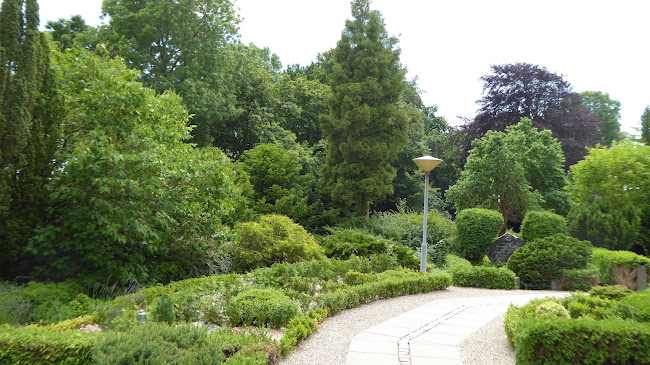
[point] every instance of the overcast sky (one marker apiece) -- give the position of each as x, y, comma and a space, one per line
595, 45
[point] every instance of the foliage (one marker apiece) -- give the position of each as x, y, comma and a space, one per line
405, 228
388, 286
541, 224
567, 341
261, 307
164, 311
274, 239
299, 328
583, 306
182, 344
41, 345
365, 122
71, 32
605, 260
465, 275
284, 179
608, 111
544, 259
645, 126
477, 229
515, 314
513, 91
342, 244
611, 192
551, 309
634, 306
31, 113
512, 172
121, 202
612, 292
580, 279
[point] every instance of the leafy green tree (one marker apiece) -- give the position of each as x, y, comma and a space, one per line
645, 126
129, 193
608, 111
30, 117
71, 32
365, 127
511, 172
513, 91
611, 190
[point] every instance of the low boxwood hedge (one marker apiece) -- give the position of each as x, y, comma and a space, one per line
464, 274
568, 341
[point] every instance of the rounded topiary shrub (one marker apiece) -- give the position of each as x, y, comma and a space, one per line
477, 229
261, 307
546, 258
274, 239
541, 224
551, 309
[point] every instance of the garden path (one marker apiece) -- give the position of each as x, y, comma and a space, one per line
451, 326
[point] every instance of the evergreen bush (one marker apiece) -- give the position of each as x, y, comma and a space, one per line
477, 229
544, 259
274, 239
605, 260
541, 224
261, 307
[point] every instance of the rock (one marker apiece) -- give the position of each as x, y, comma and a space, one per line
501, 249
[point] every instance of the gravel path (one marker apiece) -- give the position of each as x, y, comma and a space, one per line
330, 343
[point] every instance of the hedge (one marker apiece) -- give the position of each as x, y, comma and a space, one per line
409, 283
567, 341
40, 345
541, 224
605, 260
477, 229
465, 275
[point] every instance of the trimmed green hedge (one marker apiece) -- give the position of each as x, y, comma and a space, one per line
567, 341
477, 229
605, 260
261, 307
466, 275
41, 345
394, 283
541, 224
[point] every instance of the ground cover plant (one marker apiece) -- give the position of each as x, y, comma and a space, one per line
610, 325
294, 296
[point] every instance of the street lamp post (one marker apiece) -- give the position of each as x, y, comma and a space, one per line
426, 163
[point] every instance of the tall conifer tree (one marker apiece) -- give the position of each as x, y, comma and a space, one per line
30, 112
365, 127
645, 126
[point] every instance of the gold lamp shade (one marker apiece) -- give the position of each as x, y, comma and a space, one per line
427, 163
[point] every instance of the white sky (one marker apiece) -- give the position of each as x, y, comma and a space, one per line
596, 45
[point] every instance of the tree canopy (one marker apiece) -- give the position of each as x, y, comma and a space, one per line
511, 172
513, 91
608, 111
365, 127
645, 126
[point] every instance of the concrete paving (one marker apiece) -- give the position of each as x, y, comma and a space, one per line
430, 334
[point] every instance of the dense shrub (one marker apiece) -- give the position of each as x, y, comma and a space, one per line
515, 314
587, 306
261, 307
300, 328
614, 292
406, 228
568, 341
635, 306
579, 279
41, 345
544, 259
391, 284
155, 343
342, 244
551, 309
541, 224
274, 239
477, 229
465, 275
605, 260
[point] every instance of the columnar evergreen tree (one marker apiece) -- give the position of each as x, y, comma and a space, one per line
645, 126
365, 128
30, 114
